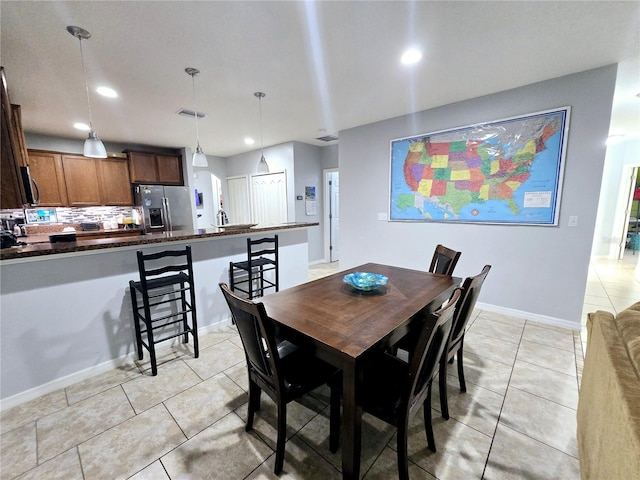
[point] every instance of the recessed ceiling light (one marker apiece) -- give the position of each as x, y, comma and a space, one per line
249, 141
107, 92
411, 56
81, 126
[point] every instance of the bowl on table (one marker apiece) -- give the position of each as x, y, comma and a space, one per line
364, 281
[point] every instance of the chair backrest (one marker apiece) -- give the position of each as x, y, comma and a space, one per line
264, 247
470, 292
257, 333
444, 260
432, 341
174, 265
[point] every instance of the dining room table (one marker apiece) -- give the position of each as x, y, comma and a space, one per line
346, 326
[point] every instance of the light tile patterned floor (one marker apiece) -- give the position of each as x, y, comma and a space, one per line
517, 419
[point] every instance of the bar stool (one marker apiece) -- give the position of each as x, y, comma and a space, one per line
248, 276
165, 279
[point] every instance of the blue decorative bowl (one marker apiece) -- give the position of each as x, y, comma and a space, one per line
365, 282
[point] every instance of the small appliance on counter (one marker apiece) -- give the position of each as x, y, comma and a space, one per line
41, 215
9, 239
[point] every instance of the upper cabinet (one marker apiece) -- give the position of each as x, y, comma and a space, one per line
48, 175
78, 181
113, 174
12, 144
148, 167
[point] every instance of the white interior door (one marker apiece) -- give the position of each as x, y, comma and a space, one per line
238, 207
269, 198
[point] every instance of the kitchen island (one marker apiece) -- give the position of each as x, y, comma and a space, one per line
66, 310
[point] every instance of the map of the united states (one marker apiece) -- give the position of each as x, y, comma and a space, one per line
457, 174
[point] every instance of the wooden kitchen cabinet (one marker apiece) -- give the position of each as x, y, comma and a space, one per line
81, 180
146, 167
114, 181
48, 174
12, 190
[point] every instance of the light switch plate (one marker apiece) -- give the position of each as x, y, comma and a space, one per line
573, 221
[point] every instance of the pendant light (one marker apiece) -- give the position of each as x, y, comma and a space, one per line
263, 166
199, 158
93, 147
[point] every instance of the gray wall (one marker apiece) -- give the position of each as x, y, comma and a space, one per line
537, 271
308, 173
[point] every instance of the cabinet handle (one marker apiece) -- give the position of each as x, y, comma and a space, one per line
36, 201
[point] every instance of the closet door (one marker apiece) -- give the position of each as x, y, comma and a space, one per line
269, 198
237, 206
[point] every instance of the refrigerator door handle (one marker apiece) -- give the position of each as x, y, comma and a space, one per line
167, 214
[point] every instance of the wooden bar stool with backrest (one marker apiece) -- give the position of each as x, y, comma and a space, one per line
249, 276
168, 309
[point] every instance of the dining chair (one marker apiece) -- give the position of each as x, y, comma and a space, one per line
393, 390
284, 371
444, 260
248, 276
464, 308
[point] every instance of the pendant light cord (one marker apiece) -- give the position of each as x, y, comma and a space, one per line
195, 108
261, 142
86, 84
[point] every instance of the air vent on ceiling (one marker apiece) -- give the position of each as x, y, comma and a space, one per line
191, 113
327, 138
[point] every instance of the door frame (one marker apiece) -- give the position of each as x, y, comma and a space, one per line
327, 211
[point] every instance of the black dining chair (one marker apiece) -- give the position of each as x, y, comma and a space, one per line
444, 260
281, 369
455, 348
393, 390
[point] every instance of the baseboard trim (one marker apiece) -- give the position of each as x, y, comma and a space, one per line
556, 322
63, 382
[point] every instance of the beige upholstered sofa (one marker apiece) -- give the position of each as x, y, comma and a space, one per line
609, 403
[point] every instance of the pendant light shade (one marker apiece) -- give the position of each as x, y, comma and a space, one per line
263, 166
93, 147
199, 158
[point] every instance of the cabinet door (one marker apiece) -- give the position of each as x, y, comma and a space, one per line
46, 170
114, 181
143, 167
169, 169
81, 180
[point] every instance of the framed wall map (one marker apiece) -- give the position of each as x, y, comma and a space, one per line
505, 172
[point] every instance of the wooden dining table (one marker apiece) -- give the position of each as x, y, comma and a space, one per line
346, 326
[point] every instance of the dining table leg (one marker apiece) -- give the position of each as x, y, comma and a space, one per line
351, 425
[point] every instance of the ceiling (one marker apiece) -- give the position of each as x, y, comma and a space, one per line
324, 66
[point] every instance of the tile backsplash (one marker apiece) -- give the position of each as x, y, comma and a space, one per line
79, 214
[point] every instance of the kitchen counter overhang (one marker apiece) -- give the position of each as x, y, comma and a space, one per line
33, 251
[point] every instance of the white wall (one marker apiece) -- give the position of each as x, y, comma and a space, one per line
538, 271
610, 218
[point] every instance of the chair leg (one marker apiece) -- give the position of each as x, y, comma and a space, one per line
282, 436
334, 421
428, 426
253, 405
463, 385
403, 459
136, 322
442, 384
185, 324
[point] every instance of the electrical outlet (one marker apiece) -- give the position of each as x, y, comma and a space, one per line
573, 221
382, 216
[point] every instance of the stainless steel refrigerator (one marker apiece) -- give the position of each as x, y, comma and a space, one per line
164, 208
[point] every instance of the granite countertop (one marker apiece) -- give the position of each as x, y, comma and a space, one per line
38, 245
